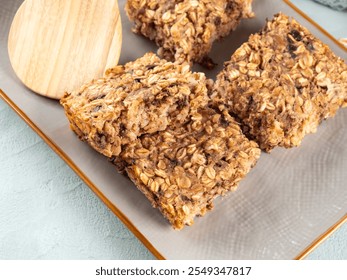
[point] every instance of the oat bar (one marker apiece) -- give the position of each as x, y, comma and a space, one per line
185, 30
181, 170
281, 84
141, 97
151, 118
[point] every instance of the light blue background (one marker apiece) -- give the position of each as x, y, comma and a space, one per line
335, 22
47, 212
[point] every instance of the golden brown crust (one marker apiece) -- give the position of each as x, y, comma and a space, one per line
281, 84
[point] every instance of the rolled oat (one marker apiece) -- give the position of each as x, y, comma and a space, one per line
281, 84
150, 117
185, 29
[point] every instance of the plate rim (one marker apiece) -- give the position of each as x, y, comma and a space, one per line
126, 221
310, 20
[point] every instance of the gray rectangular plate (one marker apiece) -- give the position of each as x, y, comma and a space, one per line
291, 198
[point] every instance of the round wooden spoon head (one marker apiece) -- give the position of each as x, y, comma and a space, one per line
57, 45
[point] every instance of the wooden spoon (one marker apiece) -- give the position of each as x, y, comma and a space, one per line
57, 45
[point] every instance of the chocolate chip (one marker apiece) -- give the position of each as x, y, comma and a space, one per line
291, 46
250, 102
299, 88
182, 103
229, 7
174, 162
296, 35
217, 21
224, 122
122, 129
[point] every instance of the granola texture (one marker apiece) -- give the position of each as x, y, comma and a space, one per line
281, 84
185, 29
151, 119
181, 170
144, 96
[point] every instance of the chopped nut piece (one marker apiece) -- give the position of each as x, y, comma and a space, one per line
186, 29
298, 82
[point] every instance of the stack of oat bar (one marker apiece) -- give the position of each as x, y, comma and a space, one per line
174, 133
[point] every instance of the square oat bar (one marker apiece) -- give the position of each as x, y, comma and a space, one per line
144, 96
281, 84
182, 170
185, 29
151, 118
